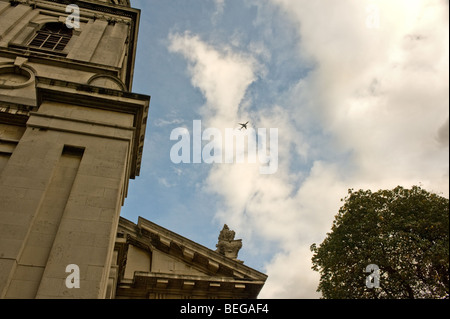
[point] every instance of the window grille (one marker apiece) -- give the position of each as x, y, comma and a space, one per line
52, 36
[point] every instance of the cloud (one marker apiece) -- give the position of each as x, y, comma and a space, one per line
368, 115
443, 134
162, 122
221, 74
220, 5
163, 181
380, 94
290, 276
256, 205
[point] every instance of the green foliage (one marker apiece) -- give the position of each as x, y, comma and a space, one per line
403, 231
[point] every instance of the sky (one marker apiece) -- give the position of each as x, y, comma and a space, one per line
357, 92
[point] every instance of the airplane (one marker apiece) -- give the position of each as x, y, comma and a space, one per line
243, 125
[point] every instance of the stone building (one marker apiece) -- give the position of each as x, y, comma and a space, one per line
71, 137
153, 262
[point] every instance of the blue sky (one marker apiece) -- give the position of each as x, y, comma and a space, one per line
358, 91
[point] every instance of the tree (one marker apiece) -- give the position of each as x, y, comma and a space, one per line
405, 232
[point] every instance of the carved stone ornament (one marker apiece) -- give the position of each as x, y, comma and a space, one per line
227, 245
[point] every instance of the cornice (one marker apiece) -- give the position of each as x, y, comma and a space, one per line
223, 277
98, 6
15, 114
102, 98
192, 252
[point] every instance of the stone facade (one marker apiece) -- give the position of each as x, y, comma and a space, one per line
71, 137
155, 263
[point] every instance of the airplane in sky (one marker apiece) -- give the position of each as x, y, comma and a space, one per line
243, 125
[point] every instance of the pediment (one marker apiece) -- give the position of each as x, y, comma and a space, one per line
175, 254
153, 257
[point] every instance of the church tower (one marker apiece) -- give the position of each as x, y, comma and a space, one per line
71, 137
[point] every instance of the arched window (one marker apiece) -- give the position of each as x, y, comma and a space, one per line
52, 36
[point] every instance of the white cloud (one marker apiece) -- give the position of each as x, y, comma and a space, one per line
256, 205
379, 95
221, 74
220, 5
162, 122
382, 94
163, 181
290, 276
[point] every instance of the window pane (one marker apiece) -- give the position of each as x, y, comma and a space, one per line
52, 36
